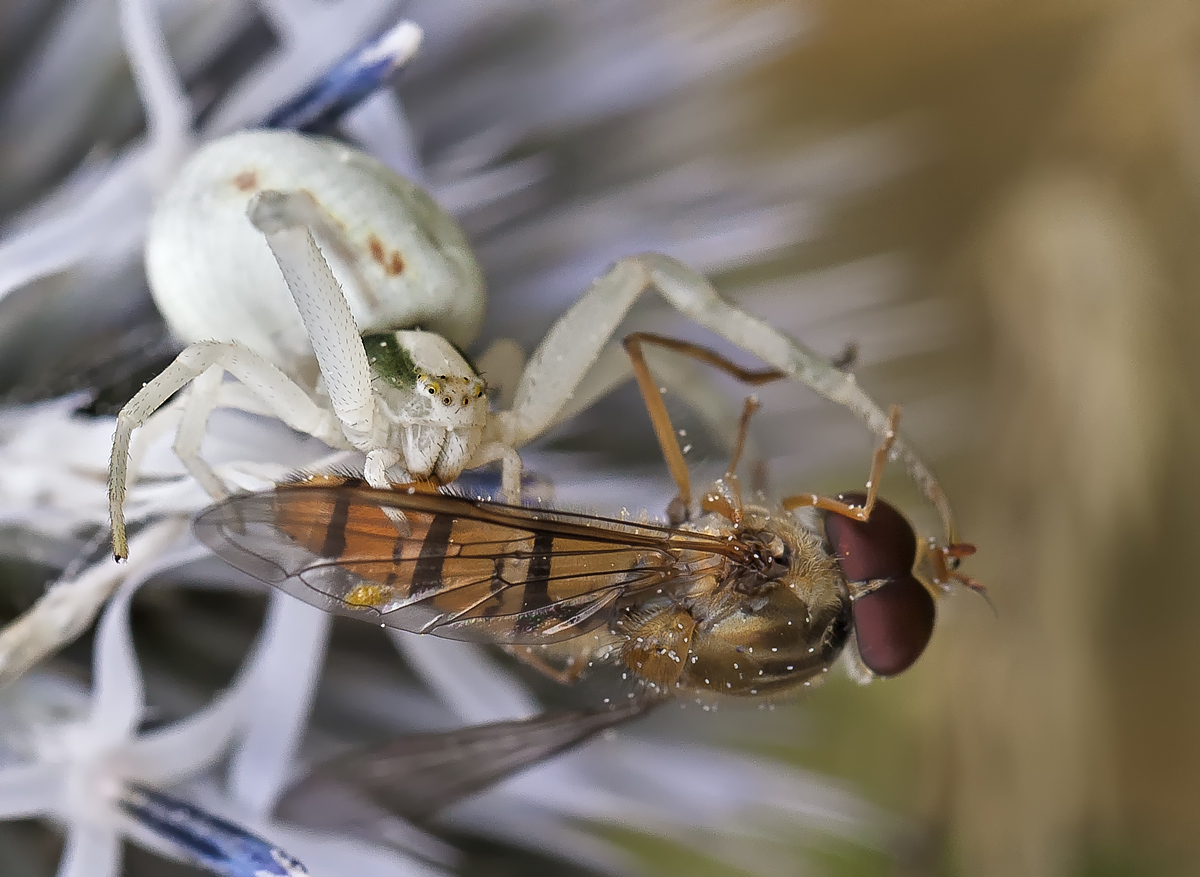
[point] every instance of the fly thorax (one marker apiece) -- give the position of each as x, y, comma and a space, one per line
768, 562
782, 619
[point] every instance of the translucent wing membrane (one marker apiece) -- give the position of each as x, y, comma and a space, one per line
417, 775
454, 567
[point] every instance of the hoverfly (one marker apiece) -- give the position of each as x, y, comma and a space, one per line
738, 598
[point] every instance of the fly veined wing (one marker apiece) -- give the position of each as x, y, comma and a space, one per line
418, 775
447, 565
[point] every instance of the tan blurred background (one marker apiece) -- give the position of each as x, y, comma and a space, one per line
1058, 208
1053, 206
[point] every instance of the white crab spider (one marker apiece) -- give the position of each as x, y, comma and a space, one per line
396, 258
362, 251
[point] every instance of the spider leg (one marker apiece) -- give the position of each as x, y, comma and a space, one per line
284, 398
287, 221
558, 366
201, 399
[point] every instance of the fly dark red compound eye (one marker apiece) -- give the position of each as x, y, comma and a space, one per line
894, 622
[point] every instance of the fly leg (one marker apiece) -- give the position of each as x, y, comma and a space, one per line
565, 669
856, 512
668, 440
571, 347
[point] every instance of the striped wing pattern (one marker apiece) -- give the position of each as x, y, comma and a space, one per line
441, 564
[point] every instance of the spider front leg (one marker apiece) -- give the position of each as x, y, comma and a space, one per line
286, 220
402, 396
282, 396
558, 366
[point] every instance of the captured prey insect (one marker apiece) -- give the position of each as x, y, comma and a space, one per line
742, 599
303, 268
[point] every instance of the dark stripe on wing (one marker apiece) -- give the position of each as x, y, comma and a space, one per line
427, 571
537, 580
335, 537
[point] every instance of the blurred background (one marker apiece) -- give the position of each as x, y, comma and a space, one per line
998, 202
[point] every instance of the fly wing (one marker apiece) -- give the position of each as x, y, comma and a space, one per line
415, 776
446, 565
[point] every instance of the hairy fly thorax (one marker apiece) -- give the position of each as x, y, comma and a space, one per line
765, 623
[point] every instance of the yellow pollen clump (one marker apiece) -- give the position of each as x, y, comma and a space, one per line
368, 596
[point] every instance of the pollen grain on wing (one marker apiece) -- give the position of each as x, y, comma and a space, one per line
369, 596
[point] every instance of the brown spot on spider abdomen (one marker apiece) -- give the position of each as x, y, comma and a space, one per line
390, 261
246, 181
375, 245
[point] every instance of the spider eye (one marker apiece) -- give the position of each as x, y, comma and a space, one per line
446, 400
